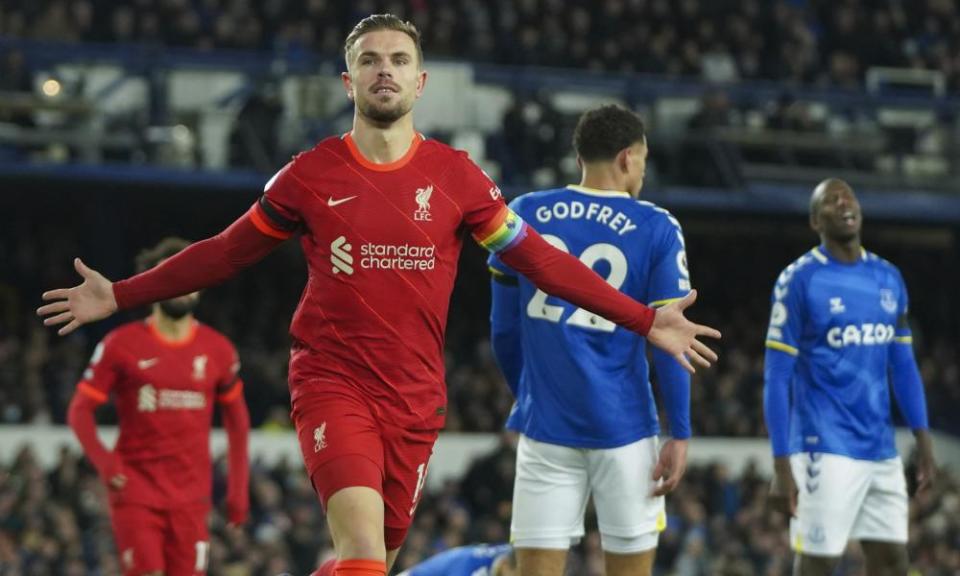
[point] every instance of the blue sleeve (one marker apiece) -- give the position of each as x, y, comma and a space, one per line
675, 392
669, 281
462, 561
669, 275
782, 347
777, 375
904, 373
439, 565
786, 313
505, 327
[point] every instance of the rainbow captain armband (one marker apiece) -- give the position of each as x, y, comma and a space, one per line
502, 232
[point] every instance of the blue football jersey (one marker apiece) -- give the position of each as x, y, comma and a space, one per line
840, 320
585, 381
475, 560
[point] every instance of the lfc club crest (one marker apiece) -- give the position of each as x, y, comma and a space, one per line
422, 214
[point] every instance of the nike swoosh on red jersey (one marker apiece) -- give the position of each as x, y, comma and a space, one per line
144, 364
331, 202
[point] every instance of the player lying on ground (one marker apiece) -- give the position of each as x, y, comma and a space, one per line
473, 560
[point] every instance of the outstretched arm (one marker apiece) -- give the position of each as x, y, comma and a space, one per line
500, 230
560, 274
200, 265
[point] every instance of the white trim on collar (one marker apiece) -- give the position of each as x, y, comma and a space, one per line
597, 191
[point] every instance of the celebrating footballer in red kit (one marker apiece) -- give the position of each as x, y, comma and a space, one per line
381, 213
165, 374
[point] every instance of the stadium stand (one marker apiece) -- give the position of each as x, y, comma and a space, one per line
147, 118
54, 522
40, 370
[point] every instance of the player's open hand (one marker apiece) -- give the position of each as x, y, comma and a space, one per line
670, 467
89, 301
673, 333
783, 490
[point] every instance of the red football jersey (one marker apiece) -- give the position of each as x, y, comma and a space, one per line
382, 243
164, 393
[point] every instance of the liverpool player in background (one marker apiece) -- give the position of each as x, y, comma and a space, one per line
165, 374
382, 213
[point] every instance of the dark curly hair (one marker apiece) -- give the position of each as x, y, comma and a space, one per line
150, 257
603, 132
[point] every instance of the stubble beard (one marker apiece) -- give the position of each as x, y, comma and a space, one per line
381, 114
177, 308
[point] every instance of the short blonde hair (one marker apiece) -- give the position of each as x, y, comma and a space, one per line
376, 22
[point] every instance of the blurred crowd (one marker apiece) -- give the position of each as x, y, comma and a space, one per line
55, 522
733, 268
796, 41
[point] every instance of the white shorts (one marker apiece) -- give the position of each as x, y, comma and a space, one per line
843, 499
554, 482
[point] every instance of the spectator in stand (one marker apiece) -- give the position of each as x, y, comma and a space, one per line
55, 522
531, 140
254, 142
706, 158
812, 42
37, 373
14, 74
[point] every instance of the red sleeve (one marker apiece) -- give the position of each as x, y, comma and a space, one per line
81, 420
560, 274
281, 204
202, 264
229, 386
103, 371
236, 420
481, 199
270, 221
488, 218
501, 231
99, 378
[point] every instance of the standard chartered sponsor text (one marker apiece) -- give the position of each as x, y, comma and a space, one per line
397, 257
182, 400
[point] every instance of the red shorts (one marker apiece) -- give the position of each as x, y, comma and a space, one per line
344, 445
174, 542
